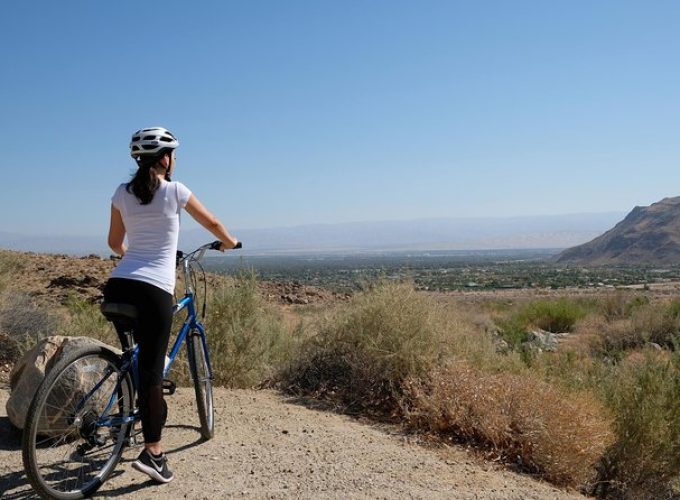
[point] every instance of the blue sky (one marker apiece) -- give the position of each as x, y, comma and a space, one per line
298, 112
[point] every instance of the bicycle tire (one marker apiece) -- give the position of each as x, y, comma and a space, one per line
61, 425
198, 365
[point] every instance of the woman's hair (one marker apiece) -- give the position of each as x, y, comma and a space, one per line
144, 182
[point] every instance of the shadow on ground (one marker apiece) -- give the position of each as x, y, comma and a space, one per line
14, 485
11, 436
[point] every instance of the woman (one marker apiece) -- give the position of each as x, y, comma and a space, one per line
147, 210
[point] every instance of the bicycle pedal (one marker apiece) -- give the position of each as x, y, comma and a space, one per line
169, 387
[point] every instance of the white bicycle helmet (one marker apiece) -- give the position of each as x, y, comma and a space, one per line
149, 141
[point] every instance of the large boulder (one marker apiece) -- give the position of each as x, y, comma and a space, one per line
30, 370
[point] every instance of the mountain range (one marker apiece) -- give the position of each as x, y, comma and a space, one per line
647, 235
551, 231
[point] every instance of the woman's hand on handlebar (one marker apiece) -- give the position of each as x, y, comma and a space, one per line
231, 245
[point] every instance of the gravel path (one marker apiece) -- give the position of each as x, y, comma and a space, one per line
269, 446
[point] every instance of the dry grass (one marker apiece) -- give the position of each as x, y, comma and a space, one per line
22, 321
537, 426
361, 353
10, 266
628, 323
248, 338
643, 393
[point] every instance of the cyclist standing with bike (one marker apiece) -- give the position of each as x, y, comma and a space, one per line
147, 211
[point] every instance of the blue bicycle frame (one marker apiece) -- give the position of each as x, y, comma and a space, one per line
191, 324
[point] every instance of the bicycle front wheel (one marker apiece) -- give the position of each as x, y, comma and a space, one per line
198, 364
71, 444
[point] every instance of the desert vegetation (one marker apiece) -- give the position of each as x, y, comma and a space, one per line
597, 413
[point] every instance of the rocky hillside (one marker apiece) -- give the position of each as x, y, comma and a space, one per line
648, 235
50, 279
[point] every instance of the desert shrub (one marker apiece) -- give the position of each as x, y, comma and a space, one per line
620, 304
556, 316
571, 369
514, 330
24, 322
616, 337
10, 264
535, 425
247, 338
553, 315
643, 394
659, 323
361, 354
647, 322
86, 320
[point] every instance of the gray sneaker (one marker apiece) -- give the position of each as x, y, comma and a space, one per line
155, 468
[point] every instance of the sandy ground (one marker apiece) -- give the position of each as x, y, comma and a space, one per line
269, 446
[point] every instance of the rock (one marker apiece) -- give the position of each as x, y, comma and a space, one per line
501, 345
654, 345
30, 370
544, 341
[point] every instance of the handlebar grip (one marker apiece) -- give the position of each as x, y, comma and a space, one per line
217, 245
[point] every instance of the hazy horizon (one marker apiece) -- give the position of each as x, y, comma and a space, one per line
433, 234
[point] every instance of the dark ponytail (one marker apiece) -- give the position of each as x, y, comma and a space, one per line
144, 182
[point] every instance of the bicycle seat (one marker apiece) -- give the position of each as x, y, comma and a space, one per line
125, 314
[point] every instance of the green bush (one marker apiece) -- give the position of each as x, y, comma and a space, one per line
555, 316
514, 330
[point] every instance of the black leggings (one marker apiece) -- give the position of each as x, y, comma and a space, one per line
152, 335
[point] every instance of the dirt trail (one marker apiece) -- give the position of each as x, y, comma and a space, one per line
269, 446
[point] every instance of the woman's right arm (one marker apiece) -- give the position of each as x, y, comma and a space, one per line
117, 232
201, 214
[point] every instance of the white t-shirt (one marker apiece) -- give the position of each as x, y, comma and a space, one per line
152, 233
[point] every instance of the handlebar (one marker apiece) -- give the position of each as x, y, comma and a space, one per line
186, 260
200, 251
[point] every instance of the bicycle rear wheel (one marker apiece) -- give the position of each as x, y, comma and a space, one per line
67, 452
198, 364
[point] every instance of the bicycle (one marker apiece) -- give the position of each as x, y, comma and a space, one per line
83, 414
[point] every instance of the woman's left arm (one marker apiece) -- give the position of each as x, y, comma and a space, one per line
117, 232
